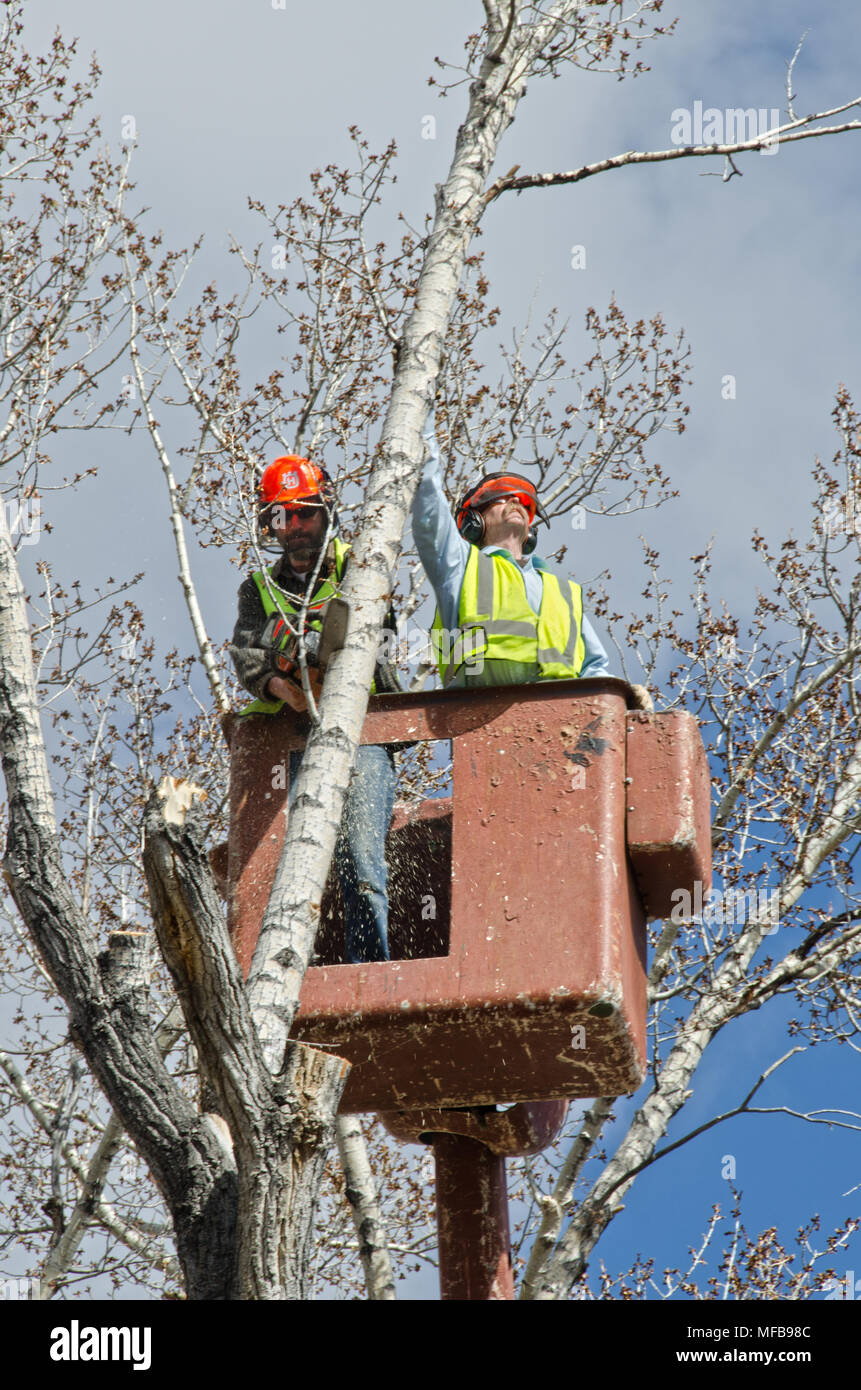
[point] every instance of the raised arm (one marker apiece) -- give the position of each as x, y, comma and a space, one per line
441, 548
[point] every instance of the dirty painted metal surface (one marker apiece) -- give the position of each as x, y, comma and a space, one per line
668, 807
542, 990
418, 852
526, 1128
473, 1234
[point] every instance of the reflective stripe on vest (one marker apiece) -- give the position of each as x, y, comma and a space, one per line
492, 585
274, 600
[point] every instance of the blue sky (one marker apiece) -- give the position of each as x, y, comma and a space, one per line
232, 99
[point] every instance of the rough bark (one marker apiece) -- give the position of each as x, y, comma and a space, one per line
90, 1205
281, 1126
107, 1017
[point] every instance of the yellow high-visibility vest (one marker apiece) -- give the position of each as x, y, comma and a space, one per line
279, 602
497, 623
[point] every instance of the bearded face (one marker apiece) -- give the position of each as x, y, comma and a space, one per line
301, 530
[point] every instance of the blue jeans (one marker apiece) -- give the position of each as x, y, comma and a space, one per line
360, 850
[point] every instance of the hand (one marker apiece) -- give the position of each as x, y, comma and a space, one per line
429, 437
642, 699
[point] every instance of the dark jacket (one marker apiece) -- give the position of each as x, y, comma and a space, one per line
252, 660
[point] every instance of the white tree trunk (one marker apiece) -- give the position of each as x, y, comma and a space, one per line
290, 922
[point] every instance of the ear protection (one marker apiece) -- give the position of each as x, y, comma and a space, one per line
491, 488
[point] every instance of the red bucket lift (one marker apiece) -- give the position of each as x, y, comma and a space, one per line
518, 905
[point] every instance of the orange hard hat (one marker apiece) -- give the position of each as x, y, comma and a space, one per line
291, 479
492, 488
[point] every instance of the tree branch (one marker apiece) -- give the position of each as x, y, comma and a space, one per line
204, 645
793, 704
105, 1022
88, 1176
291, 918
361, 1193
193, 937
280, 1125
778, 134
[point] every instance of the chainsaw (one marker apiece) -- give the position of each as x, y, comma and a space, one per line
319, 644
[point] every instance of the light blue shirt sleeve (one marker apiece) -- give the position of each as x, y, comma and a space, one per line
441, 548
594, 655
444, 553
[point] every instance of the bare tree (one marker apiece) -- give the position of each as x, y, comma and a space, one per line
239, 1164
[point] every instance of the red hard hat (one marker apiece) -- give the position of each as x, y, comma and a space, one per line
291, 479
493, 487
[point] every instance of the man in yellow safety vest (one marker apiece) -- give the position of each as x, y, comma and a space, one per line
503, 617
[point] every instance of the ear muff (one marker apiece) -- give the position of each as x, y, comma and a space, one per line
470, 521
471, 525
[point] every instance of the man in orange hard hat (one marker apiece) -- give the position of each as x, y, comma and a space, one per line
280, 623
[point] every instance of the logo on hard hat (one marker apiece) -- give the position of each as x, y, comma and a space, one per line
289, 479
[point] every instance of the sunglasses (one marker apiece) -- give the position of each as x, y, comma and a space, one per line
526, 502
284, 512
